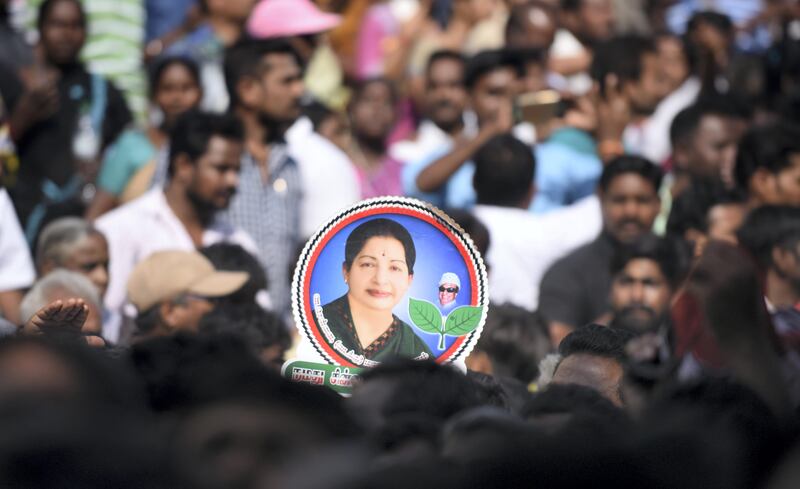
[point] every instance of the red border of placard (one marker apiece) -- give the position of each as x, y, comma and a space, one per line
301, 298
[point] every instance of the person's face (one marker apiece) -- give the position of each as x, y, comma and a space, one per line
446, 96
539, 33
535, 78
447, 293
782, 188
63, 33
373, 112
336, 130
215, 174
378, 278
176, 92
630, 206
185, 315
647, 92
724, 220
712, 152
640, 295
673, 62
90, 257
491, 91
599, 373
596, 19
281, 88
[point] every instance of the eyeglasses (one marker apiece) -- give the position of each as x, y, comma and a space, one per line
448, 289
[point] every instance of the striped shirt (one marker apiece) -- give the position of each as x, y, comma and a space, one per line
270, 213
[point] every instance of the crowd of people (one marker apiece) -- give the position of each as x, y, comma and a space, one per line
628, 169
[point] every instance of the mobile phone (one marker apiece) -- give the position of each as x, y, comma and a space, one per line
539, 107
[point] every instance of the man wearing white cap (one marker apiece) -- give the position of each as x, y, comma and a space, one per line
449, 285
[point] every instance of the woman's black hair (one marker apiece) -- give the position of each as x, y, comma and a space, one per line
158, 68
380, 227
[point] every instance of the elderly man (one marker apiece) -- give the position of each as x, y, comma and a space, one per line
173, 290
449, 285
74, 244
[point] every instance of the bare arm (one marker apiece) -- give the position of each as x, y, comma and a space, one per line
9, 305
437, 173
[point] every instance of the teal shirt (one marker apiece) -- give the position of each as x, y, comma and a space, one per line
130, 152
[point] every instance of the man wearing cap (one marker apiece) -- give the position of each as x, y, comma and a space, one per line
449, 285
173, 290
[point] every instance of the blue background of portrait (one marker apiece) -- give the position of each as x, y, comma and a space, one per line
436, 254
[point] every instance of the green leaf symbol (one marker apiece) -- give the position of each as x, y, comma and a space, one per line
425, 315
462, 320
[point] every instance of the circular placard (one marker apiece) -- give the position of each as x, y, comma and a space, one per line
388, 277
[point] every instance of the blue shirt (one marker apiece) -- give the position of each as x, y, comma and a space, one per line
164, 15
563, 175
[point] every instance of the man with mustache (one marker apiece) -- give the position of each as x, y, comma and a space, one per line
645, 276
204, 163
265, 83
574, 291
444, 102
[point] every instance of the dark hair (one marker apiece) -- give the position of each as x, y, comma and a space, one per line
665, 252
317, 112
690, 208
47, 6
157, 69
486, 62
570, 5
717, 20
361, 86
246, 59
515, 340
255, 326
768, 227
597, 340
769, 147
620, 56
234, 258
380, 227
504, 171
686, 122
625, 164
445, 54
195, 128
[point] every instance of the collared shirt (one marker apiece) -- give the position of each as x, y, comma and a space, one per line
524, 245
270, 213
429, 139
575, 289
329, 179
143, 227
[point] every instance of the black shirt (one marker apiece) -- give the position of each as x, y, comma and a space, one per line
45, 150
575, 289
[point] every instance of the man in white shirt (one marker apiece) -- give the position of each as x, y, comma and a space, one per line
524, 244
205, 154
445, 99
16, 265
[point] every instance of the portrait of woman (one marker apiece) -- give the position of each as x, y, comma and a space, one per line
378, 270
